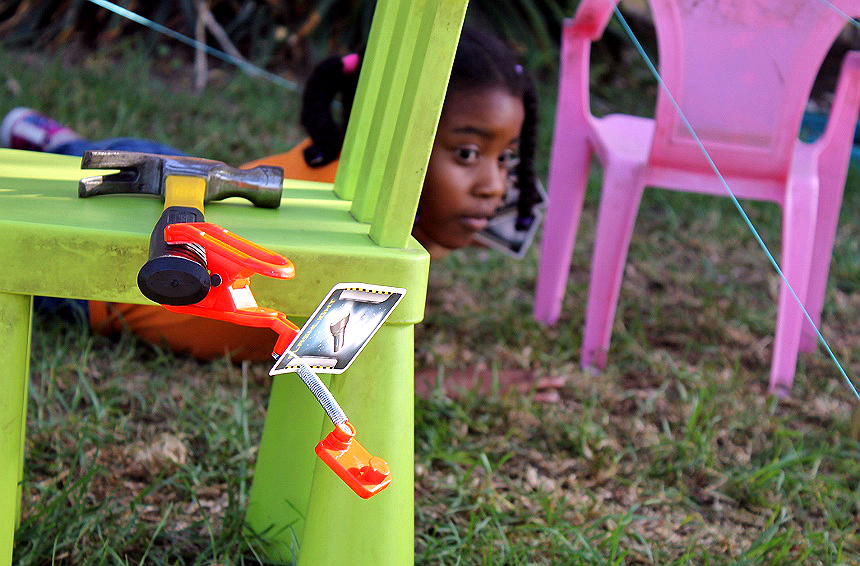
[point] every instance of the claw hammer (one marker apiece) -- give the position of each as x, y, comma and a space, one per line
177, 274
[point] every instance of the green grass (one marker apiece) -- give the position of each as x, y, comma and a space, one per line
110, 93
673, 455
133, 455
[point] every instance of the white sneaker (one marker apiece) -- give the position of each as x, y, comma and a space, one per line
24, 128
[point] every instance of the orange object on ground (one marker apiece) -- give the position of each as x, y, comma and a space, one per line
202, 338
205, 338
295, 166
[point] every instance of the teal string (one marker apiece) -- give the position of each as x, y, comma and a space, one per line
732, 196
249, 68
845, 16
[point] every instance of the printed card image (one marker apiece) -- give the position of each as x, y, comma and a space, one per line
340, 328
501, 233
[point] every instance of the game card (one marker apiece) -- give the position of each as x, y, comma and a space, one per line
501, 233
339, 328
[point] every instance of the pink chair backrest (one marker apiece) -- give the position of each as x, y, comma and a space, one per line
741, 71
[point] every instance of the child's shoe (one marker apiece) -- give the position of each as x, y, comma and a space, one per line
23, 128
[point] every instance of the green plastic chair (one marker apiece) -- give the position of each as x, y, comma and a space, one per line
358, 229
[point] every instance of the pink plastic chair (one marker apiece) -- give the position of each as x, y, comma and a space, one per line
741, 71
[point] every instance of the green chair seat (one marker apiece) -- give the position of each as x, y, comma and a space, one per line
80, 248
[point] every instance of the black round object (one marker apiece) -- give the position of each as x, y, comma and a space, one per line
174, 280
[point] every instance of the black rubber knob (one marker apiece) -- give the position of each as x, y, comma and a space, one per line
174, 280
176, 274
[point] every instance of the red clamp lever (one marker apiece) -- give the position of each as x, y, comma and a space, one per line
365, 474
232, 260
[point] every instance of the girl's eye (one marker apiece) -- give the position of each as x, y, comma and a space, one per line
467, 155
509, 159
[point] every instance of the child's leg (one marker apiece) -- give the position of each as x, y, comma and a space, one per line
24, 128
78, 147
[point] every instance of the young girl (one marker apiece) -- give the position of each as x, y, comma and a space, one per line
484, 144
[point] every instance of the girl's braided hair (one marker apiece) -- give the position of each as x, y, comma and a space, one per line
482, 62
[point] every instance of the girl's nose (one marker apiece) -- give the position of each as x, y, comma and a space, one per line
493, 180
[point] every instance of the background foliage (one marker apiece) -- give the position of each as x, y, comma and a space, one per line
268, 32
674, 455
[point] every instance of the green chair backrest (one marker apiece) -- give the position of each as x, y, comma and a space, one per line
397, 106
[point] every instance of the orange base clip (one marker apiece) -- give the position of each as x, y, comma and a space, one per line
365, 474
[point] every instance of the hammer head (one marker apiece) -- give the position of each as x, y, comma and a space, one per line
145, 173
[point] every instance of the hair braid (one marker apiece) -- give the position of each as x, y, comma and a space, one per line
333, 76
526, 176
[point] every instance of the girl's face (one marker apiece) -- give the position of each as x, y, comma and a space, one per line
474, 150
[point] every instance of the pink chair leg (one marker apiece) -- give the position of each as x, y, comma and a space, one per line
798, 233
835, 156
619, 203
568, 179
829, 203
832, 172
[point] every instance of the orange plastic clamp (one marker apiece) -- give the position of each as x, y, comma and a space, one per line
365, 474
232, 260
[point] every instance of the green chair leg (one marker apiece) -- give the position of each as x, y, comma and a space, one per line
281, 488
15, 321
377, 394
